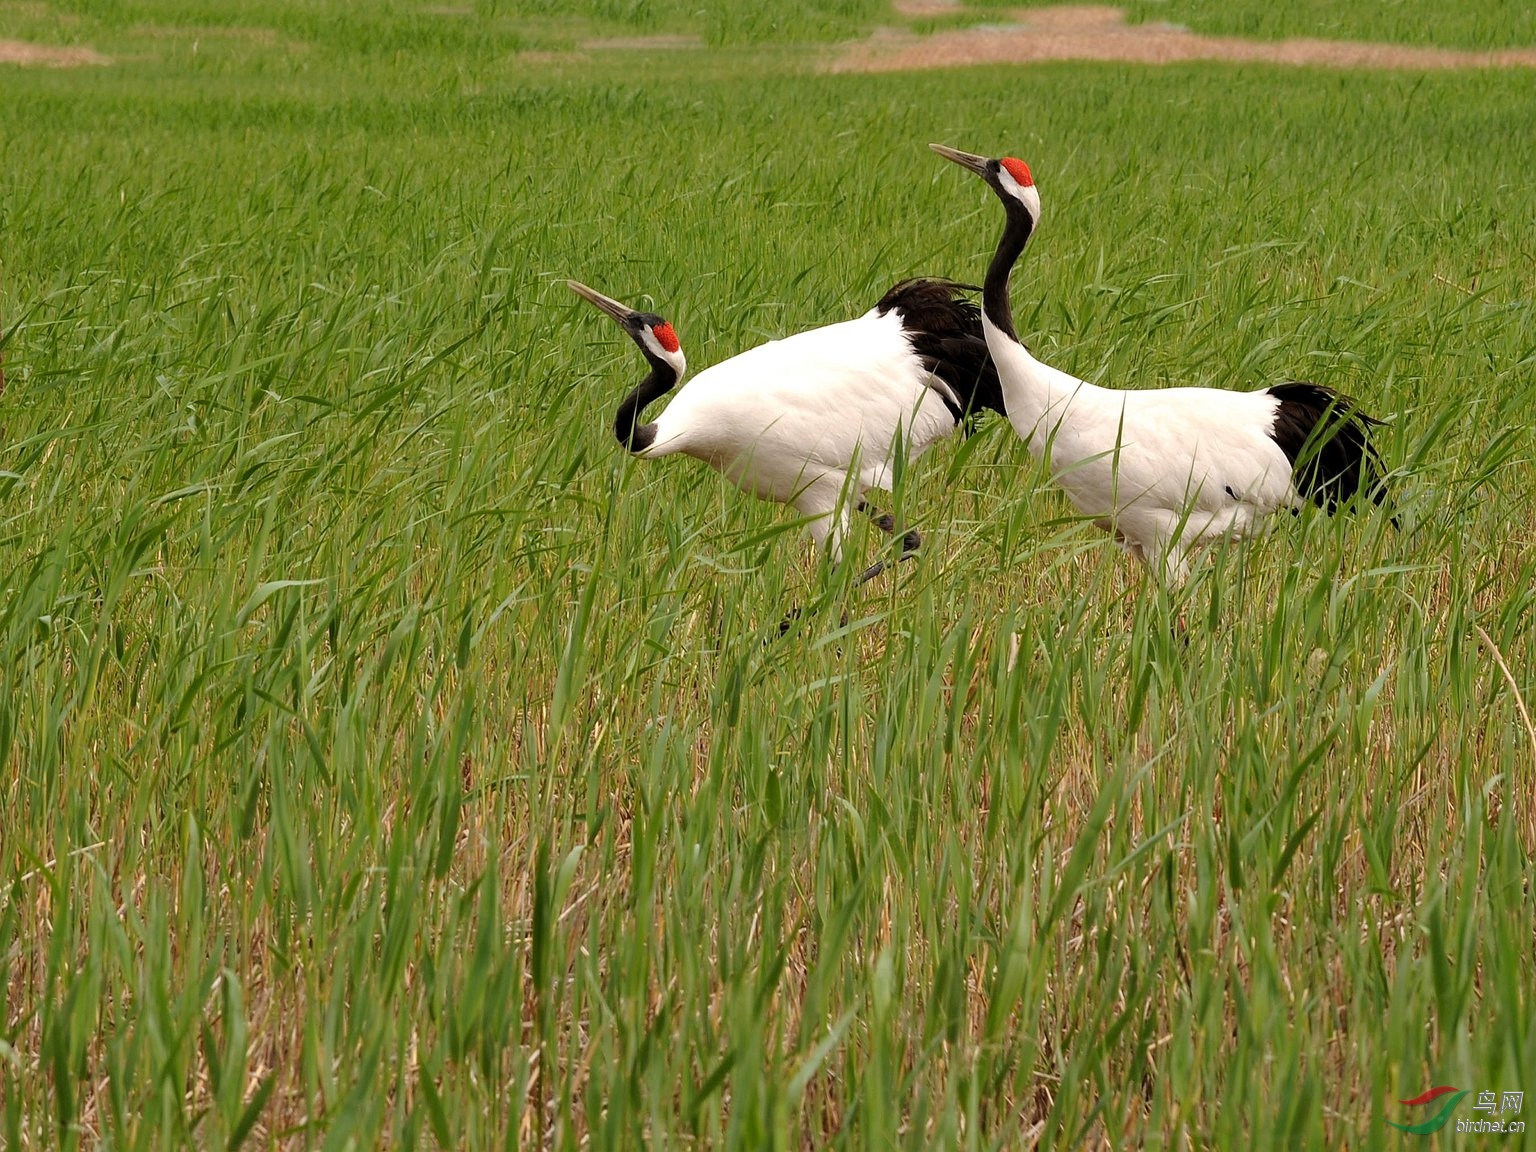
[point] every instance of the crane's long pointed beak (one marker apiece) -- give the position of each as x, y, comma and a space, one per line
968, 160
619, 312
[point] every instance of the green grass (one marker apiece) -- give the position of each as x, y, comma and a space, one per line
387, 759
468, 31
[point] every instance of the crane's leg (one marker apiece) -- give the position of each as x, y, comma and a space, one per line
822, 500
910, 542
1168, 562
829, 528
1175, 564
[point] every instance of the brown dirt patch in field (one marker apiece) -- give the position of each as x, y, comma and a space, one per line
921, 8
1097, 32
47, 56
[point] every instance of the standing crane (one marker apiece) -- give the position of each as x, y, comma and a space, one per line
1165, 469
800, 420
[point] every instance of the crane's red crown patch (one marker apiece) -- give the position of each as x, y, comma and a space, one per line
666, 337
1019, 171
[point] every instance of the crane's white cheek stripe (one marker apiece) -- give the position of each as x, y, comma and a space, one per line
1028, 195
653, 345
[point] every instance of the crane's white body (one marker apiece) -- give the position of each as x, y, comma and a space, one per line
1164, 469
805, 419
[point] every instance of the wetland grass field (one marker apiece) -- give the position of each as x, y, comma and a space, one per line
388, 760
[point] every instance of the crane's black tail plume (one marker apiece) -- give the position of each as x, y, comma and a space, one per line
1327, 439
945, 330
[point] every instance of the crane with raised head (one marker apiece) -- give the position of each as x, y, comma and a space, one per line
1165, 469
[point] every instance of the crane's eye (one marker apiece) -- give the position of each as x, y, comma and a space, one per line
665, 336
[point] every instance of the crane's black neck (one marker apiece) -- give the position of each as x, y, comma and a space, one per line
994, 293
636, 437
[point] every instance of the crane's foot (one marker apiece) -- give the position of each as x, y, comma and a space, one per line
884, 521
791, 619
911, 541
870, 573
909, 546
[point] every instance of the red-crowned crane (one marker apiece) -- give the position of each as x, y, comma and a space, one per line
1165, 469
799, 420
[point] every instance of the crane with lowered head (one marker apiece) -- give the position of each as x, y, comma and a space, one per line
801, 420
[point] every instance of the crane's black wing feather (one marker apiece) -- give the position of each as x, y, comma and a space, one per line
944, 327
1327, 439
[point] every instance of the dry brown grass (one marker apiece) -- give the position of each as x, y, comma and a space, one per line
1099, 32
48, 56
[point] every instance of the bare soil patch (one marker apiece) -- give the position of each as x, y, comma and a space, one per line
920, 8
47, 56
1098, 32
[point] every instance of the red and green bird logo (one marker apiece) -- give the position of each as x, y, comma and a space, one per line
1437, 1121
